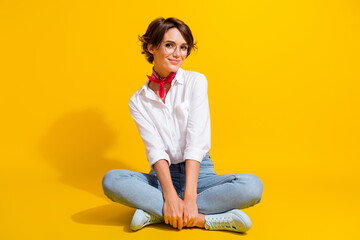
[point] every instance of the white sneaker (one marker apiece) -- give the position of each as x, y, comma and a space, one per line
142, 219
233, 220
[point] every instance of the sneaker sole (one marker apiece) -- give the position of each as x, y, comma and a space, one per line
243, 220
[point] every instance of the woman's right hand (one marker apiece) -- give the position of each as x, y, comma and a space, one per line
173, 205
174, 211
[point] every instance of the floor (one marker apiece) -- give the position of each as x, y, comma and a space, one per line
74, 207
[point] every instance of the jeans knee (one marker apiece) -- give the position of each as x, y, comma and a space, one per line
254, 186
111, 179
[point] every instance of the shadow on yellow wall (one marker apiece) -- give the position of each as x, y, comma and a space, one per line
76, 146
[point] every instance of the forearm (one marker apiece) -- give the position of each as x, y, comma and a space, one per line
161, 168
173, 205
192, 175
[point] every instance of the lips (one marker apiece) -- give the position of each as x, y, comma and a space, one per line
173, 61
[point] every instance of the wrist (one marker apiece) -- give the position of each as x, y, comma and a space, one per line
169, 194
191, 197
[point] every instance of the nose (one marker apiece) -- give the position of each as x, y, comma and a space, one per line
176, 53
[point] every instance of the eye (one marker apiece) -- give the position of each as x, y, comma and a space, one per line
169, 45
184, 47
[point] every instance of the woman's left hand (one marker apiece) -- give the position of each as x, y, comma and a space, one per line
190, 212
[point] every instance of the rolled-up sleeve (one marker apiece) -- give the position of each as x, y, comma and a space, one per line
198, 127
154, 145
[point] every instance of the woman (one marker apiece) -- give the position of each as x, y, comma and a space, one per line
171, 112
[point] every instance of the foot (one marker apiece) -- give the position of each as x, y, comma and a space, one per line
142, 219
233, 220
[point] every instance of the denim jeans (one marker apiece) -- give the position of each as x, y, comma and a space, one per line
216, 193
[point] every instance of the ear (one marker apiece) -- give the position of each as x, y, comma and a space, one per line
150, 48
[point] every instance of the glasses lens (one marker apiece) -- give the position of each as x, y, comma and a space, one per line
170, 48
183, 50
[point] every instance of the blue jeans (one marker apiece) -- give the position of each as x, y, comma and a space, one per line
216, 193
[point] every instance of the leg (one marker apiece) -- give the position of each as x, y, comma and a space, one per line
221, 193
134, 189
219, 196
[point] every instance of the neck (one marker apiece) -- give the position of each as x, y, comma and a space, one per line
162, 74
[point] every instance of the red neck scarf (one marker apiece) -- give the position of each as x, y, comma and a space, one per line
157, 79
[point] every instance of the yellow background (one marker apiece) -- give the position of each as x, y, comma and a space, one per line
284, 101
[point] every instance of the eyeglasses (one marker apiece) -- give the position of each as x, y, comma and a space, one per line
170, 48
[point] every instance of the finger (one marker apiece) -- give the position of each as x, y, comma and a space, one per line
194, 223
174, 223
195, 220
185, 222
186, 219
190, 222
171, 221
180, 223
166, 220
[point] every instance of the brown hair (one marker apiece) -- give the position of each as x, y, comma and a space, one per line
156, 31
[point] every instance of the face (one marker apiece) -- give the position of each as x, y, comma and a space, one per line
171, 53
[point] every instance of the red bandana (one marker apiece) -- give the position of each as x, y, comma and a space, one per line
157, 79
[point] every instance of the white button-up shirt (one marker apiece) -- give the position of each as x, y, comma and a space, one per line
178, 129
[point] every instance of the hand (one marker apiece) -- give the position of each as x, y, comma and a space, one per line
190, 213
174, 211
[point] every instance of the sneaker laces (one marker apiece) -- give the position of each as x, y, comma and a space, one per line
151, 219
220, 222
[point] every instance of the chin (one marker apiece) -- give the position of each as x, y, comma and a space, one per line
174, 68
168, 67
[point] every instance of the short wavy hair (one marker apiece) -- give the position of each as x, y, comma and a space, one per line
156, 31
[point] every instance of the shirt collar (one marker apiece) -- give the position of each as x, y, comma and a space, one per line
180, 76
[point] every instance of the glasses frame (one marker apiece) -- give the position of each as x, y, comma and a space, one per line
176, 46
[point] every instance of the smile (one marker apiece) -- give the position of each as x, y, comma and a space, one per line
173, 61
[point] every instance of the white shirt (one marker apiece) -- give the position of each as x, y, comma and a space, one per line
178, 129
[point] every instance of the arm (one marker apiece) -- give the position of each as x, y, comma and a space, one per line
197, 145
154, 145
173, 205
159, 161
198, 124
191, 209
